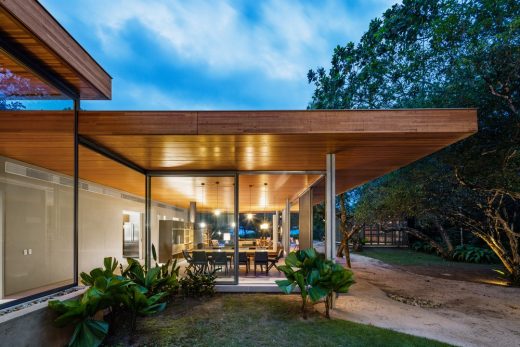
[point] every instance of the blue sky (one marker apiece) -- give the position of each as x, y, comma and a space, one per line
212, 55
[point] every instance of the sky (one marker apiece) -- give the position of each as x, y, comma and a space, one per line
212, 55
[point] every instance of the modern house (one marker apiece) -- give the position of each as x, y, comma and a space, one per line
79, 185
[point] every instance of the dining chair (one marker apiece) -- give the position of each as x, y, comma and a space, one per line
243, 259
261, 258
188, 258
200, 261
220, 259
274, 260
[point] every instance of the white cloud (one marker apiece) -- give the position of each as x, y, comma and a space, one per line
284, 40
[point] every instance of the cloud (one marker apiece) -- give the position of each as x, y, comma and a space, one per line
282, 41
203, 54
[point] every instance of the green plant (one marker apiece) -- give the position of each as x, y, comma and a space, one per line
161, 278
106, 291
316, 277
196, 284
421, 246
474, 254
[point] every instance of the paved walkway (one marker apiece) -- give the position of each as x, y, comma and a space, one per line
456, 312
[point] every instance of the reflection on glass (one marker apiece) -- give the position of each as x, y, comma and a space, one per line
204, 231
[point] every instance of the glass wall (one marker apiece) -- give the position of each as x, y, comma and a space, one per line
111, 211
36, 187
203, 231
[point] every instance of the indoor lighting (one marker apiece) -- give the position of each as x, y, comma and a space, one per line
250, 215
233, 224
217, 211
226, 237
202, 225
264, 226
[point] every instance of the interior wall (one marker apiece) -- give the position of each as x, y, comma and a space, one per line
101, 228
37, 228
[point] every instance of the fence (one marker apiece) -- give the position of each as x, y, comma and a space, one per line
374, 236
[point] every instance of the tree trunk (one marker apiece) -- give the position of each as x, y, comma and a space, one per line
445, 237
304, 311
328, 304
439, 248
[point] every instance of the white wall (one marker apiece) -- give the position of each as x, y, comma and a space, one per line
38, 215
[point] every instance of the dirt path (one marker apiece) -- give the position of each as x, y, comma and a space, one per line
456, 312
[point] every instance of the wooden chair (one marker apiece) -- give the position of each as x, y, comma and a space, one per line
188, 258
274, 260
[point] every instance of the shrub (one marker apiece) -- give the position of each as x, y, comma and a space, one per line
474, 254
106, 291
197, 284
317, 277
421, 246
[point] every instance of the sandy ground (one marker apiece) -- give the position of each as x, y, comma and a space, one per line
457, 312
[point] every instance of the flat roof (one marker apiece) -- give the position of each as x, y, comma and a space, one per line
367, 143
36, 33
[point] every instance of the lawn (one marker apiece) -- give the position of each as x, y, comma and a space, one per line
403, 256
432, 265
254, 320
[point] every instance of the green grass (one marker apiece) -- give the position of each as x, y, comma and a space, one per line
403, 256
256, 320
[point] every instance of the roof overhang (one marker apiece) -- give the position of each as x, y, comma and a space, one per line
33, 33
367, 143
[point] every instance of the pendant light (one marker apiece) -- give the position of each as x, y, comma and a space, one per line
265, 225
217, 211
202, 224
250, 215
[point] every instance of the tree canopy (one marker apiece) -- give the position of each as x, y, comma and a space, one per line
442, 54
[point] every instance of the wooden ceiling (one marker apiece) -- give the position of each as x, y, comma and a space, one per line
254, 195
367, 144
43, 39
24, 84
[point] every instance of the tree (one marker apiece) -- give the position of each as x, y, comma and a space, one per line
447, 53
348, 226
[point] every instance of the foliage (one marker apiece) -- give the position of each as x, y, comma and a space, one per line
442, 54
198, 284
421, 246
106, 291
473, 254
316, 277
161, 278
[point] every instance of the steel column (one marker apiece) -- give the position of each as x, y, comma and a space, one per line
237, 227
330, 207
147, 223
75, 227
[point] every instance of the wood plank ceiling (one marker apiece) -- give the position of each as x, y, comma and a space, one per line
367, 144
27, 24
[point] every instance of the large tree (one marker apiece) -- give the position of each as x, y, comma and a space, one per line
447, 53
